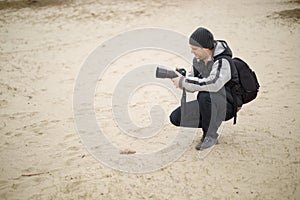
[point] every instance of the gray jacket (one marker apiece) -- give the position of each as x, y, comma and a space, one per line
210, 77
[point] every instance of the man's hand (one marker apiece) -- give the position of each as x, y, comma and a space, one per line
176, 80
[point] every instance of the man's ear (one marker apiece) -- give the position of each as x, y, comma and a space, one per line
209, 51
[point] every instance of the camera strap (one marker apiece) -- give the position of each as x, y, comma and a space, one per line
183, 101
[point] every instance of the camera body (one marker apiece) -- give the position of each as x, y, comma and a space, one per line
164, 73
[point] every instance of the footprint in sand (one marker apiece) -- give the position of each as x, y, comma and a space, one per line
2, 125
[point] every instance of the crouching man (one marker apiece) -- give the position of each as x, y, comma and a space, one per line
210, 77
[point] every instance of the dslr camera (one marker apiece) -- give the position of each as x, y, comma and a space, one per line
164, 73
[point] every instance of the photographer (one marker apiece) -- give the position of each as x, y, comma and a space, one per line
209, 76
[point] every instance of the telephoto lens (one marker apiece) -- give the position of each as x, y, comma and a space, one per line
164, 73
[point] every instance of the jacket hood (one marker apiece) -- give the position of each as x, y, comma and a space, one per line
222, 49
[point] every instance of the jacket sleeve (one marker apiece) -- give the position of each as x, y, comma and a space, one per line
218, 77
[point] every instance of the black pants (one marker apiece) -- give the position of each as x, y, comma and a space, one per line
207, 112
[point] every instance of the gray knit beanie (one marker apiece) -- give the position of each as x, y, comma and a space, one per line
202, 38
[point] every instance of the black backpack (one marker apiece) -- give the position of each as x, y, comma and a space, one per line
247, 86
248, 82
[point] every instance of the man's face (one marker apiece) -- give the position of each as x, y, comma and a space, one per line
200, 53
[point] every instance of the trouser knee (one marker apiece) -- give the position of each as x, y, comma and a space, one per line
175, 118
204, 98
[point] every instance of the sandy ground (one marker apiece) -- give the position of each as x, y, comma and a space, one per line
42, 48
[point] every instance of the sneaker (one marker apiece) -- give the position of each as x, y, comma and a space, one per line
198, 147
208, 142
